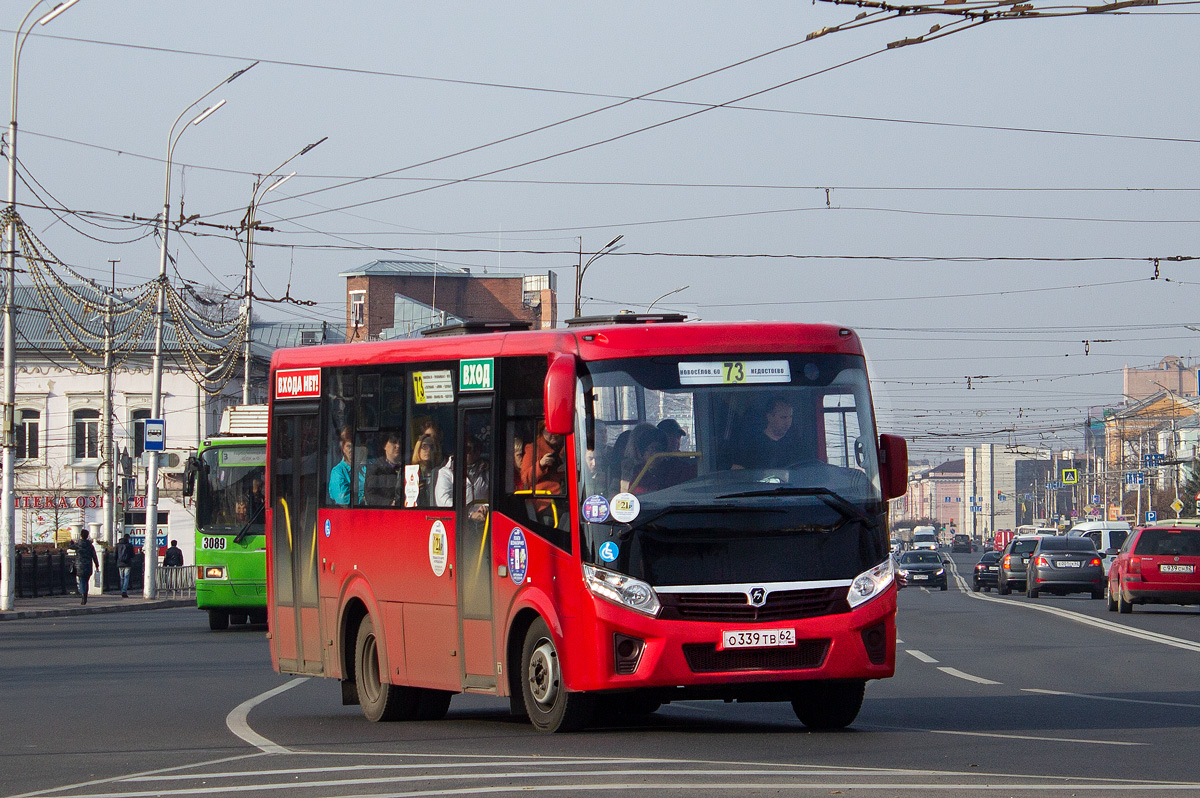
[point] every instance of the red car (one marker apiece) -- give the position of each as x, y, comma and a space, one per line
1157, 565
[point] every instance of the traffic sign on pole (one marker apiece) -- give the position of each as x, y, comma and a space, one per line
1151, 516
155, 434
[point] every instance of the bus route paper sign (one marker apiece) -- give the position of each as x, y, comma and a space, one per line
433, 387
735, 372
298, 384
437, 548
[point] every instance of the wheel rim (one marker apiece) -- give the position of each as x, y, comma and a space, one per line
544, 677
369, 668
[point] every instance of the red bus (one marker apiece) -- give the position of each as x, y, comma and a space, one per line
589, 521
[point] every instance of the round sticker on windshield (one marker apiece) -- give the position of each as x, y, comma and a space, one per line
437, 548
609, 551
328, 528
624, 507
595, 509
518, 556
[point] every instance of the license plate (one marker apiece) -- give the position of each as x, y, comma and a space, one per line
1177, 569
919, 577
757, 638
989, 567
1066, 563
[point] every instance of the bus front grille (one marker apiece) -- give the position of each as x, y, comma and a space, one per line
782, 605
806, 654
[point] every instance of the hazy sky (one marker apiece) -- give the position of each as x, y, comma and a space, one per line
1071, 142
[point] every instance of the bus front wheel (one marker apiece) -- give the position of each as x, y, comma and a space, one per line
549, 706
829, 705
218, 620
380, 700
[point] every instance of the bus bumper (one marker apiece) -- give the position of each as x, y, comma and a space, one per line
230, 595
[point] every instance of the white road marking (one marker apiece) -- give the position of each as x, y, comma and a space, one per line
921, 655
967, 676
236, 720
1087, 620
1031, 737
1111, 698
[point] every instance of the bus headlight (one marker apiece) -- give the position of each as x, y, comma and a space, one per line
210, 571
870, 584
621, 589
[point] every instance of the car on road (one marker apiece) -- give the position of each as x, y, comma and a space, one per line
1107, 535
925, 538
1157, 565
962, 544
923, 569
985, 571
1062, 565
1013, 561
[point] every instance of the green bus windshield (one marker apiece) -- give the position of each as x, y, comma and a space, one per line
230, 489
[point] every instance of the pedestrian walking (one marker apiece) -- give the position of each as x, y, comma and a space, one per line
124, 563
85, 562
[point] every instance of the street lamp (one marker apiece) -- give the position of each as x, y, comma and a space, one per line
249, 223
150, 546
8, 529
611, 246
664, 296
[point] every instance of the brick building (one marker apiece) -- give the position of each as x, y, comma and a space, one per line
397, 298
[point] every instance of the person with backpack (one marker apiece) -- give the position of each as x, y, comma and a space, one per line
124, 563
85, 559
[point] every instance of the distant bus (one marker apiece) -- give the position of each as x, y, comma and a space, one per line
588, 521
226, 476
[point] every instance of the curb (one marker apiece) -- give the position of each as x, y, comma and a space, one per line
15, 615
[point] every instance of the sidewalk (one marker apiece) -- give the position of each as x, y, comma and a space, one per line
57, 606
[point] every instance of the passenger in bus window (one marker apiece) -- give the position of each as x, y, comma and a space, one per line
638, 469
339, 477
255, 499
427, 457
775, 444
542, 467
475, 481
384, 477
518, 450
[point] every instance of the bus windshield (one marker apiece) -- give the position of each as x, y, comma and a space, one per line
230, 490
732, 469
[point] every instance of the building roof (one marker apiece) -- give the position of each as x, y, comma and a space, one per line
406, 268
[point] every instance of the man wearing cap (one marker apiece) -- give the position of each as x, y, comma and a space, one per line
675, 434
676, 469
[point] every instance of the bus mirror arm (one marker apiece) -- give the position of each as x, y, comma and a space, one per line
559, 393
893, 466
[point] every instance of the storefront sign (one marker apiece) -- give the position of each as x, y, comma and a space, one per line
94, 501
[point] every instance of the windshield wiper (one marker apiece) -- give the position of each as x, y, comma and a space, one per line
241, 535
831, 498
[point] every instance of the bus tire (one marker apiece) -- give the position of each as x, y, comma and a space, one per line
218, 620
549, 706
829, 705
380, 700
433, 704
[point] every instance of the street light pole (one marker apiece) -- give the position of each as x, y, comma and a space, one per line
8, 529
255, 199
611, 246
664, 296
150, 545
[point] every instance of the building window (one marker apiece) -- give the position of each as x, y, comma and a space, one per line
358, 308
138, 419
27, 434
87, 434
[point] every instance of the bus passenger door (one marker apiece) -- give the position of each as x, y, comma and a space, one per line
473, 480
295, 488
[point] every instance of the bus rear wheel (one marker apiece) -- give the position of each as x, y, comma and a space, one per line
829, 705
549, 706
218, 620
380, 700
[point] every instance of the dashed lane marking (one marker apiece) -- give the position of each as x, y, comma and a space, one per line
967, 676
1111, 698
921, 655
1032, 737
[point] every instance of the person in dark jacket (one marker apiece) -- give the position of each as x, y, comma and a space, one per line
85, 562
124, 563
174, 556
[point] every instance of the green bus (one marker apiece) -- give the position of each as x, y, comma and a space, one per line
226, 477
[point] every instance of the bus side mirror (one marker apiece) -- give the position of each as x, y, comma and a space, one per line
893, 466
189, 475
559, 394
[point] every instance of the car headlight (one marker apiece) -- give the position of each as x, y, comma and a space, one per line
870, 584
941, 572
621, 589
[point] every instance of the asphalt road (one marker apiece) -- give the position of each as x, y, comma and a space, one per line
992, 695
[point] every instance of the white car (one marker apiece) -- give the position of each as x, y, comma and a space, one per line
1107, 535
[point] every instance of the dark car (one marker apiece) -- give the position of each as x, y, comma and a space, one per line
923, 569
1156, 565
962, 544
1065, 565
1013, 560
985, 571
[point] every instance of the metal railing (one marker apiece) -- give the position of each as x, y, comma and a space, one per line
175, 581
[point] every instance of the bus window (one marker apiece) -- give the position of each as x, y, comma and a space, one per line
380, 444
339, 449
430, 432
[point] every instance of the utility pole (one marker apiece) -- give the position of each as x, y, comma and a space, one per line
108, 447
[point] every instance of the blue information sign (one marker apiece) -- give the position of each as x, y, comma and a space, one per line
155, 434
